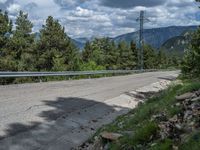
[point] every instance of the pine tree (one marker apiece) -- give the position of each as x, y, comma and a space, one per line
6, 62
126, 59
149, 57
102, 51
191, 60
5, 29
54, 42
87, 52
111, 55
135, 53
161, 59
18, 49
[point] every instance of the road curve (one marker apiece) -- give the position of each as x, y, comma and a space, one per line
25, 107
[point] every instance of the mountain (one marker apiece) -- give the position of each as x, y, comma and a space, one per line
178, 44
156, 36
82, 40
78, 44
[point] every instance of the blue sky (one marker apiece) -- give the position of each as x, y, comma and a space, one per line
87, 18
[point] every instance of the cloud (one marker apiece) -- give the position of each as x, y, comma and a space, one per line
30, 6
86, 18
3, 1
68, 3
81, 12
131, 3
13, 9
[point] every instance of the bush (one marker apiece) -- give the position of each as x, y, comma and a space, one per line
191, 60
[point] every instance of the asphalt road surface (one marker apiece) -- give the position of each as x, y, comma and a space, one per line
32, 115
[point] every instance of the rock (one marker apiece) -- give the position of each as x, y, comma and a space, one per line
94, 120
188, 114
195, 99
136, 95
153, 144
106, 147
198, 92
175, 147
178, 104
184, 96
160, 117
98, 145
174, 119
110, 136
178, 126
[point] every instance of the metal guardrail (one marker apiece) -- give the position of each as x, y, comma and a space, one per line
68, 73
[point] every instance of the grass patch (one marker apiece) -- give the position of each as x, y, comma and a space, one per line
166, 144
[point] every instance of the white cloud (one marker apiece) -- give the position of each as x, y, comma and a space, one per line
81, 12
3, 1
89, 18
14, 8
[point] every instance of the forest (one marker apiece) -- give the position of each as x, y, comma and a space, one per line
54, 50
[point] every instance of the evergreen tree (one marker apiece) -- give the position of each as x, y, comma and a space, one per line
161, 59
98, 53
149, 57
135, 53
19, 49
5, 29
111, 55
126, 59
6, 62
191, 60
101, 51
54, 42
87, 52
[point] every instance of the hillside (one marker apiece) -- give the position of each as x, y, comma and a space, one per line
157, 36
178, 44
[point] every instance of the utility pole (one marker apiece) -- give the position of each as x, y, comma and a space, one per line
141, 40
141, 19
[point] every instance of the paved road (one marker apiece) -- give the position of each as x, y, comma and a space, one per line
25, 107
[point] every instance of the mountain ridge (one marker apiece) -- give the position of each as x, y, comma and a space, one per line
155, 36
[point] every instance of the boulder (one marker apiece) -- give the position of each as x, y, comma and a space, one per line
195, 99
110, 136
184, 96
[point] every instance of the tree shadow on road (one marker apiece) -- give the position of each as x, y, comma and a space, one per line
66, 117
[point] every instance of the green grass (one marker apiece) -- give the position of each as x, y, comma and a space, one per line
192, 143
141, 126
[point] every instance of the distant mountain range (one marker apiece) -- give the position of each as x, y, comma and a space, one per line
173, 38
156, 37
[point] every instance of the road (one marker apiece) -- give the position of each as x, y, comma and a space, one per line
50, 115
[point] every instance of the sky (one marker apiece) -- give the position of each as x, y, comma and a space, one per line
89, 18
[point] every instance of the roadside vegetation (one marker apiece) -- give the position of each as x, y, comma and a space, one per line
163, 122
53, 50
